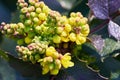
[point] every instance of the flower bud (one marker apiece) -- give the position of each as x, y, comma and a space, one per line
33, 14
24, 10
31, 8
28, 22
38, 10
72, 37
35, 19
68, 27
42, 16
56, 39
27, 40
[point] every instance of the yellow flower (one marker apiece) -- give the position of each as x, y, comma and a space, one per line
45, 69
65, 61
80, 39
72, 37
64, 39
50, 51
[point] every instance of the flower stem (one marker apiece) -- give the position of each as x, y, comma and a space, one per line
52, 77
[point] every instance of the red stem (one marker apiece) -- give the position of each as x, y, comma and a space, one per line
102, 25
99, 27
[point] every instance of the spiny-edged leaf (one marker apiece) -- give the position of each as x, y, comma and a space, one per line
104, 67
111, 47
110, 44
103, 8
26, 69
98, 42
110, 65
78, 72
89, 59
114, 5
114, 30
88, 55
100, 8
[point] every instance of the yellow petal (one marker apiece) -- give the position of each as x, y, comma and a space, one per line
54, 71
45, 70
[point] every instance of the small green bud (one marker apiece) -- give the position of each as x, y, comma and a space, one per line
5, 27
38, 10
9, 31
32, 2
36, 20
42, 4
51, 66
32, 14
37, 57
28, 22
24, 58
20, 41
31, 8
24, 10
20, 25
37, 4
22, 16
72, 14
56, 39
28, 40
21, 4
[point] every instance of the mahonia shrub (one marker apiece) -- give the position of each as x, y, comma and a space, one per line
45, 36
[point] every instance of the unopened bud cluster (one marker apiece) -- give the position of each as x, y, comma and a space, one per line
45, 36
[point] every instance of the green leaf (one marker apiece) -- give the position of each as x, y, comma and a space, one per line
8, 45
102, 66
27, 69
78, 72
3, 55
6, 72
110, 46
110, 65
115, 75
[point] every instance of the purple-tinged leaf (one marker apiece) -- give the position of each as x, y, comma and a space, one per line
103, 8
98, 42
114, 30
114, 5
99, 8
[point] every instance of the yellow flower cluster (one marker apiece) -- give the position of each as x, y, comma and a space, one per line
54, 61
74, 29
45, 36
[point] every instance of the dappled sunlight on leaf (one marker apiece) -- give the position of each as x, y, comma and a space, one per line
114, 30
